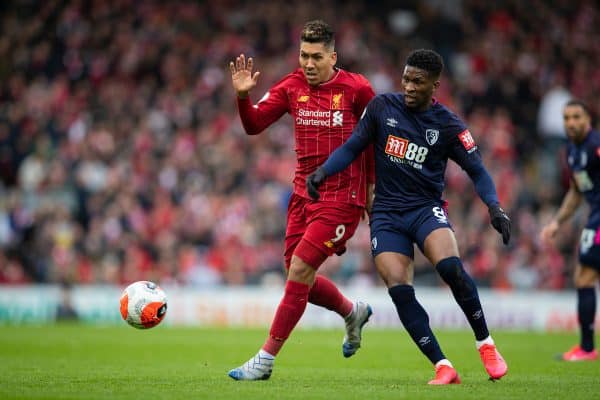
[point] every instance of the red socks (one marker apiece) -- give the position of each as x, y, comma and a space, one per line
288, 314
324, 293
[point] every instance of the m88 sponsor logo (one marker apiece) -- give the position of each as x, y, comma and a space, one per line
403, 151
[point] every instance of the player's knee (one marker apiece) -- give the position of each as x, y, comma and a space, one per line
408, 308
300, 271
402, 293
452, 272
450, 269
309, 254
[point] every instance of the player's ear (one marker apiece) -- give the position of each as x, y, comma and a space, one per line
436, 84
333, 58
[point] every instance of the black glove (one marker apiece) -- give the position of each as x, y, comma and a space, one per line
500, 222
313, 181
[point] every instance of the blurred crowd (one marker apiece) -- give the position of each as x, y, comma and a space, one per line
122, 156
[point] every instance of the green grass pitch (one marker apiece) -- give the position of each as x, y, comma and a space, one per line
119, 362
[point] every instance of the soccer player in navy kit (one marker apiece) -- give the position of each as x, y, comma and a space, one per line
325, 103
413, 137
583, 157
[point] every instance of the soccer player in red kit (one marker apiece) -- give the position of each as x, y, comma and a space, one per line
326, 103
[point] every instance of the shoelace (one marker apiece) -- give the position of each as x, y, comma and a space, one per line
257, 362
442, 371
490, 354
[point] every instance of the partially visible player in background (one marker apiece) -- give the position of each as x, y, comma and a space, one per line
325, 103
413, 137
583, 157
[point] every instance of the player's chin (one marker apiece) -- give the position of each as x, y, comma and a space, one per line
312, 79
410, 102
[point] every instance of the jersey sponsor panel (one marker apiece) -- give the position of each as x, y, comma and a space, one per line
313, 118
402, 151
320, 118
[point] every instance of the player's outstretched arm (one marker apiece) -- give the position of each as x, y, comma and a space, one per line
485, 188
570, 204
242, 78
548, 232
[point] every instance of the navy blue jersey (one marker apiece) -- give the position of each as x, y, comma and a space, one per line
584, 162
411, 153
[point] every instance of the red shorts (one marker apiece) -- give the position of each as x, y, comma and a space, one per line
318, 229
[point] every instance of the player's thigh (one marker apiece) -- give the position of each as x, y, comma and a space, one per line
586, 276
296, 226
388, 235
589, 246
434, 234
394, 268
329, 226
440, 244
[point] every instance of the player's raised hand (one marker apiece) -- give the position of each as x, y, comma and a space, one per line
548, 232
500, 222
313, 181
241, 75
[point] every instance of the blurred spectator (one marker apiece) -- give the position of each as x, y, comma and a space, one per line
65, 311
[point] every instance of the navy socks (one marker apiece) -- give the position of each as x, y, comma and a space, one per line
586, 311
465, 293
416, 321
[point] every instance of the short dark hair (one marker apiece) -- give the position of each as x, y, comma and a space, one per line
427, 60
318, 31
580, 103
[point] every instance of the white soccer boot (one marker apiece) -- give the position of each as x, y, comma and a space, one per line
361, 312
257, 368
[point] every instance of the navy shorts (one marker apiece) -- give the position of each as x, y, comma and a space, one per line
398, 231
589, 243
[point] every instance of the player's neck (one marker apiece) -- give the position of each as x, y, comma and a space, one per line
330, 76
579, 140
425, 105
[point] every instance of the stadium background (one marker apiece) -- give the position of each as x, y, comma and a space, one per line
122, 156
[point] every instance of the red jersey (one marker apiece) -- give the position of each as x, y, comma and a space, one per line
324, 117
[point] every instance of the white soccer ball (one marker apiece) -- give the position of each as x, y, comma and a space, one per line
143, 304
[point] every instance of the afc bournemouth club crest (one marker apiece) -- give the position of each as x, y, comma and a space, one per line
432, 135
